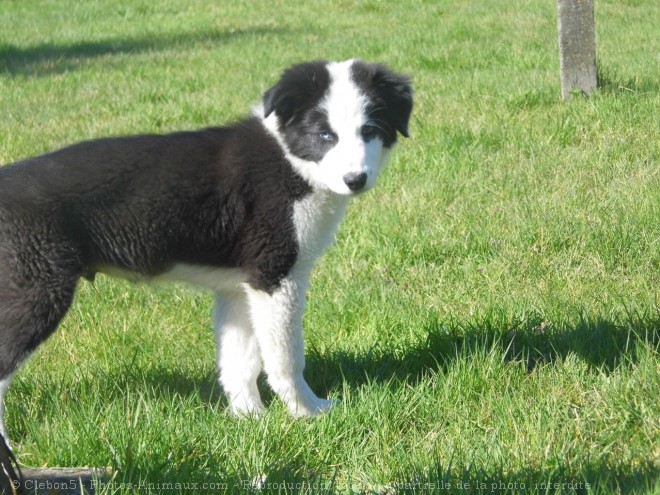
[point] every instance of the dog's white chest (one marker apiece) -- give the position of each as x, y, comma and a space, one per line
316, 219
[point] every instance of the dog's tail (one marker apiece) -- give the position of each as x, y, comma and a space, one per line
11, 478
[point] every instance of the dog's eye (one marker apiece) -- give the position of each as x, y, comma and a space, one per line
369, 131
327, 136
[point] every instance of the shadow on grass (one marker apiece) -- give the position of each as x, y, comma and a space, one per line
291, 479
52, 58
611, 82
603, 344
592, 479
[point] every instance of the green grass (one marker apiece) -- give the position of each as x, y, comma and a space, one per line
490, 316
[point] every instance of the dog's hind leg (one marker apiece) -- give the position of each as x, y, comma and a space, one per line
239, 360
35, 293
26, 320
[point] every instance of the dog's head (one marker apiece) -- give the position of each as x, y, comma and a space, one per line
338, 121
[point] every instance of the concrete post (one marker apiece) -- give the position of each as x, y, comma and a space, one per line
577, 46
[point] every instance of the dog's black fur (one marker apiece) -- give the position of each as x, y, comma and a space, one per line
140, 204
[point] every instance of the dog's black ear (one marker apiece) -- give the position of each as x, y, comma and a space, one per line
299, 88
396, 91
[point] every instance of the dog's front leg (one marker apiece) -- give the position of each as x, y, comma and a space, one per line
239, 360
277, 319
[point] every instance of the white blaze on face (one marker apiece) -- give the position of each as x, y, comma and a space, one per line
346, 106
346, 109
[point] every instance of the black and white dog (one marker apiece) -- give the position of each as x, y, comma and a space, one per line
243, 210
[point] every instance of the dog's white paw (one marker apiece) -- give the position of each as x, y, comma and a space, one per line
299, 398
245, 404
312, 407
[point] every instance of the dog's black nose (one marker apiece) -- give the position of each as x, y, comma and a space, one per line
355, 180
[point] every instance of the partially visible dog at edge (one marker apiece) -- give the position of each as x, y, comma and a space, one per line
243, 210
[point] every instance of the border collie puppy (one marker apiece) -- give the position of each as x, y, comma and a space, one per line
243, 210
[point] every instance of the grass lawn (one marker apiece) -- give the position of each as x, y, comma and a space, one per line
490, 316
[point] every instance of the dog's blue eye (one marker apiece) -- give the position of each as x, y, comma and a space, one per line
326, 136
368, 131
